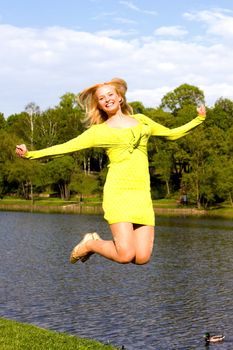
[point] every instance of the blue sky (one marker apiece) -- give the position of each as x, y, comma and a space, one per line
52, 47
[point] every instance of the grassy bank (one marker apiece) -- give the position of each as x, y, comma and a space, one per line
54, 205
19, 336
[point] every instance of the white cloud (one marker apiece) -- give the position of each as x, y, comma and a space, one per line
149, 97
216, 90
102, 15
116, 33
40, 65
130, 5
176, 31
218, 22
124, 20
150, 12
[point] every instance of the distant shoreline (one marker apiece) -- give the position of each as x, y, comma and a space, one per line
97, 210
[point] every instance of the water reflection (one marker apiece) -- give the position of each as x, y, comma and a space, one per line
168, 304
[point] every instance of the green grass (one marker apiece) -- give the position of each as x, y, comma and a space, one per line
38, 201
165, 203
20, 336
225, 210
49, 201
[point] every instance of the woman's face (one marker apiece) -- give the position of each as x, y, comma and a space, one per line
108, 99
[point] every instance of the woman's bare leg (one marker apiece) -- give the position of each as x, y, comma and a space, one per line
121, 249
144, 242
131, 243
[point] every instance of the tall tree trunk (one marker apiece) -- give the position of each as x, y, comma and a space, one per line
61, 189
230, 197
168, 188
88, 165
32, 129
31, 192
198, 195
84, 165
67, 191
100, 162
24, 191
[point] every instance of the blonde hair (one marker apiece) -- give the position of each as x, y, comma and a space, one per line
88, 101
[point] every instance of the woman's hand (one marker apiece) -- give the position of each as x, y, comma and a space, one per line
21, 150
201, 110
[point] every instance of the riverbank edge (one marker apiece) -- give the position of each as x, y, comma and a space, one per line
17, 335
97, 210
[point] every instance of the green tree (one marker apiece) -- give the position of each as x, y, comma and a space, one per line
2, 121
225, 181
83, 184
222, 114
17, 124
32, 111
163, 166
69, 118
60, 171
182, 96
22, 174
138, 107
7, 155
194, 180
47, 133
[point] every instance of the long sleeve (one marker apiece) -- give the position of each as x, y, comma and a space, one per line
172, 134
85, 140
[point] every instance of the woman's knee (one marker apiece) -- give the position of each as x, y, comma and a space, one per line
126, 256
142, 259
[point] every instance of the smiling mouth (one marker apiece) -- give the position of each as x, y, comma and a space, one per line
109, 104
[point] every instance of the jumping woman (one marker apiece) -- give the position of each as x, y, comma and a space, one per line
127, 202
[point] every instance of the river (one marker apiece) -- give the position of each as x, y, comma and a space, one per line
167, 304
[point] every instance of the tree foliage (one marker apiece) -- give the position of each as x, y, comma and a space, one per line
199, 165
182, 96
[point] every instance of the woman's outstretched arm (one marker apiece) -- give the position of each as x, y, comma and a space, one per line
176, 133
85, 140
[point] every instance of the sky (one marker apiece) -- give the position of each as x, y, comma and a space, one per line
51, 47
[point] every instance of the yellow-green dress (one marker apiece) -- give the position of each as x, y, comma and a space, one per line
127, 196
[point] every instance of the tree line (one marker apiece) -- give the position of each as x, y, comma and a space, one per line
198, 166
